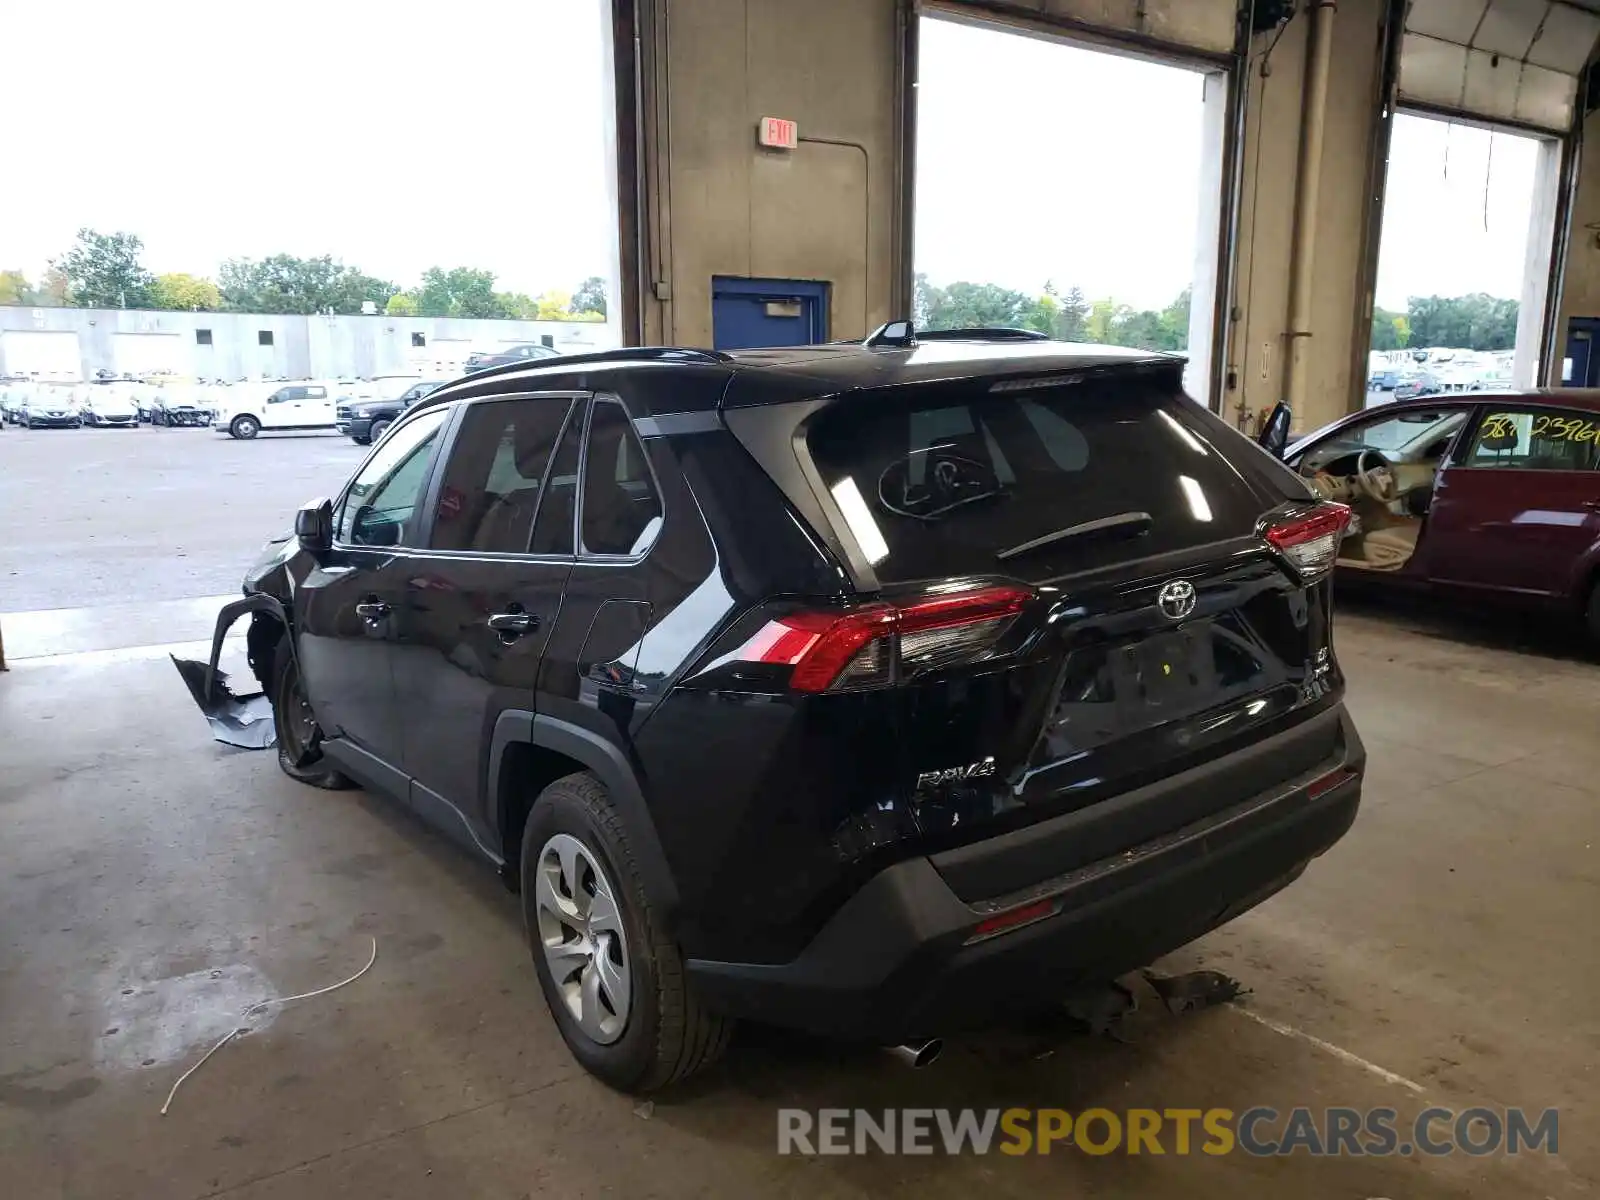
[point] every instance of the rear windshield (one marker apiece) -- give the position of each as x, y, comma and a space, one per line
941, 480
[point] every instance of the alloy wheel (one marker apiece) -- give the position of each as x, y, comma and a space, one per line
581, 933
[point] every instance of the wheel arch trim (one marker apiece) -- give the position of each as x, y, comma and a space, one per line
613, 770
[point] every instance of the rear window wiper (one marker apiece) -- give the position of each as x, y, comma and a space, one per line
1128, 524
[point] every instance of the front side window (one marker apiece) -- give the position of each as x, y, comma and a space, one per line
490, 491
621, 510
1420, 435
1536, 440
382, 500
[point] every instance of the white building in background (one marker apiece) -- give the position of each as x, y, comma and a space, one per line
75, 343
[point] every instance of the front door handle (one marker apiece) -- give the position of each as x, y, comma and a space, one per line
513, 624
373, 611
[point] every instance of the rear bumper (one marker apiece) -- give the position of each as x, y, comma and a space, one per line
896, 961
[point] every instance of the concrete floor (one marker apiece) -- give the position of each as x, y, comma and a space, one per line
155, 883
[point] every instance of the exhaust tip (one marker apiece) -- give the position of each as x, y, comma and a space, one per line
917, 1055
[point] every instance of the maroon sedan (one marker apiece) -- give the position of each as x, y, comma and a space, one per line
1496, 495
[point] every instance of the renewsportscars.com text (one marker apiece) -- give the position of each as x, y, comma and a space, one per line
1260, 1131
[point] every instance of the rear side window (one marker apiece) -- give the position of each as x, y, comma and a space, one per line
945, 480
1536, 440
621, 510
489, 493
553, 532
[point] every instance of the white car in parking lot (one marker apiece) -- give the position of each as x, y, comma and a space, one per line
108, 402
247, 409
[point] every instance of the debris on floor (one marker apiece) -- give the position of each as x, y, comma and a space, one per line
236, 720
1100, 1008
259, 1008
1195, 990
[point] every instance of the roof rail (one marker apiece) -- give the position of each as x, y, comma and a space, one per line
983, 333
905, 334
623, 354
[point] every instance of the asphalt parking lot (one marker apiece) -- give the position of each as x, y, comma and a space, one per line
155, 883
100, 516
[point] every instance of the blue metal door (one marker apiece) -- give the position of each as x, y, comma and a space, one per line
767, 312
1580, 367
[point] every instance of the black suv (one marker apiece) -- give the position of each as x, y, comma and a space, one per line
367, 420
872, 689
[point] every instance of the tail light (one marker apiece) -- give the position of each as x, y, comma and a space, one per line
873, 645
1310, 539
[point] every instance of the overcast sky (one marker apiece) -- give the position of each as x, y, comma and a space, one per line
1039, 161
351, 128
220, 130
1456, 211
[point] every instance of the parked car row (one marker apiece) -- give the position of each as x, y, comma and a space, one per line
104, 402
361, 408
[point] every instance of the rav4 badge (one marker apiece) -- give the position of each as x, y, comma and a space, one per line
975, 770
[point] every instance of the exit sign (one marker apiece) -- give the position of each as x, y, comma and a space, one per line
779, 133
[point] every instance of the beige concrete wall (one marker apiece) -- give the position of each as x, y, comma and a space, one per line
1259, 347
831, 212
825, 211
1580, 283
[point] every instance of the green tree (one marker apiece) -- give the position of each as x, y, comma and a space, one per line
185, 293
1474, 322
15, 289
283, 283
459, 292
1044, 316
355, 288
1072, 322
1386, 328
102, 270
590, 296
965, 305
401, 304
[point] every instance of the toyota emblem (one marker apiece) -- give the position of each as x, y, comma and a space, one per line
1176, 599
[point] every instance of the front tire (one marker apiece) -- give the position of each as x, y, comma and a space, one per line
244, 428
297, 732
378, 429
361, 441
612, 977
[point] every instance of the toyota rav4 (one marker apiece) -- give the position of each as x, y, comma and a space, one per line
875, 689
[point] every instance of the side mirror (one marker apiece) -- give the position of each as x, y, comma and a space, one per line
1274, 437
313, 526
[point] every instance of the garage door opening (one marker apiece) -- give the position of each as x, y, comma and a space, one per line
1080, 218
1464, 260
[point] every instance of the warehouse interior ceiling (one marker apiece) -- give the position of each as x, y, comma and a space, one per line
1207, 26
1500, 60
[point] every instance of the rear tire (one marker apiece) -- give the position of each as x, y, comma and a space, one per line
1591, 615
297, 732
244, 428
666, 1033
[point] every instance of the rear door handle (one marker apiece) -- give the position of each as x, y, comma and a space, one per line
373, 610
513, 624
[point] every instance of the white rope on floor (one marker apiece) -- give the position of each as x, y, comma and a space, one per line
262, 1007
